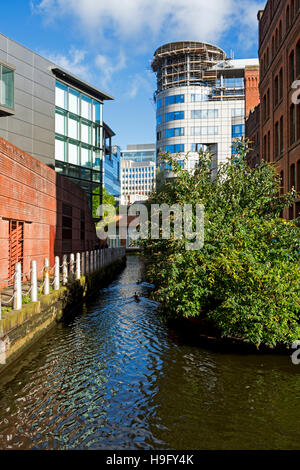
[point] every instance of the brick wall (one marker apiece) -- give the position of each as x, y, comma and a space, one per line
33, 193
251, 88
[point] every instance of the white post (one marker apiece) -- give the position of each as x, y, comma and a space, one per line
87, 262
83, 263
72, 263
18, 287
91, 261
56, 273
78, 265
33, 282
65, 270
46, 277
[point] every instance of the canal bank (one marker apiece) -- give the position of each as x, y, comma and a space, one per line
20, 329
114, 376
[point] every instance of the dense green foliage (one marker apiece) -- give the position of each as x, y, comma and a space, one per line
245, 279
106, 199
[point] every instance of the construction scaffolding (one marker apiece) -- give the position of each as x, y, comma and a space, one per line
186, 63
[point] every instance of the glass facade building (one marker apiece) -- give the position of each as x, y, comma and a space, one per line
7, 102
79, 139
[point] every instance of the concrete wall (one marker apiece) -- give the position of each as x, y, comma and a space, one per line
32, 192
32, 128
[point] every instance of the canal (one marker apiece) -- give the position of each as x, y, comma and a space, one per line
115, 377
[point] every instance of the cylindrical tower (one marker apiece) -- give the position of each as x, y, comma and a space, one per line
199, 93
184, 63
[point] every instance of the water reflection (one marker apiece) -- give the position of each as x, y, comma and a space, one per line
116, 378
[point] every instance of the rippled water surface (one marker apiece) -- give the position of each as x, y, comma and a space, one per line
116, 377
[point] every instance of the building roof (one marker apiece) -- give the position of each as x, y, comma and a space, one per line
235, 64
108, 130
63, 74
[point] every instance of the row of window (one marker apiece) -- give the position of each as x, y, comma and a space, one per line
77, 103
77, 128
228, 83
290, 13
71, 151
198, 114
141, 170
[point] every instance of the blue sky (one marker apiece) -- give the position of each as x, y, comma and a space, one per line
110, 43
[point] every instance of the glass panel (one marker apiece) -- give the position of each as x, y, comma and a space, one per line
85, 132
74, 101
97, 160
60, 149
97, 112
97, 136
7, 87
60, 122
73, 127
61, 95
73, 153
85, 156
86, 107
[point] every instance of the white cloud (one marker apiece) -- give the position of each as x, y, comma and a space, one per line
74, 61
108, 66
153, 19
140, 82
247, 15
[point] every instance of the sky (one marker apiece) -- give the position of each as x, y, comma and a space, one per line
110, 44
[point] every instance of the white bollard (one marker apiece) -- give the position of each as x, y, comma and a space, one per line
72, 266
82, 263
18, 287
46, 277
78, 260
33, 279
87, 262
56, 273
65, 271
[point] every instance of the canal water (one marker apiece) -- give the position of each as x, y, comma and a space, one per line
115, 377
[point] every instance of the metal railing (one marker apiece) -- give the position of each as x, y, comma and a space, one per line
72, 268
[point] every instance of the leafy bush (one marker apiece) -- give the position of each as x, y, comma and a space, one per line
245, 279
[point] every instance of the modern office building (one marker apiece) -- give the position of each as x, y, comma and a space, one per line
138, 173
112, 165
53, 115
278, 118
140, 153
200, 100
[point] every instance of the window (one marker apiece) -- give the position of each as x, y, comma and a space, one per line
292, 67
238, 130
204, 113
293, 176
292, 124
276, 142
158, 104
280, 84
210, 130
73, 127
60, 149
158, 120
86, 107
61, 95
175, 132
174, 116
174, 99
276, 91
61, 122
6, 87
281, 136
200, 96
281, 182
298, 58
287, 18
174, 148
298, 177
74, 101
237, 112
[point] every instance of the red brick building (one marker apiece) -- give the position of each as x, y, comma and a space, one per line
42, 213
279, 121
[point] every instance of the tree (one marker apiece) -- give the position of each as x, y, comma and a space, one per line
245, 279
106, 199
